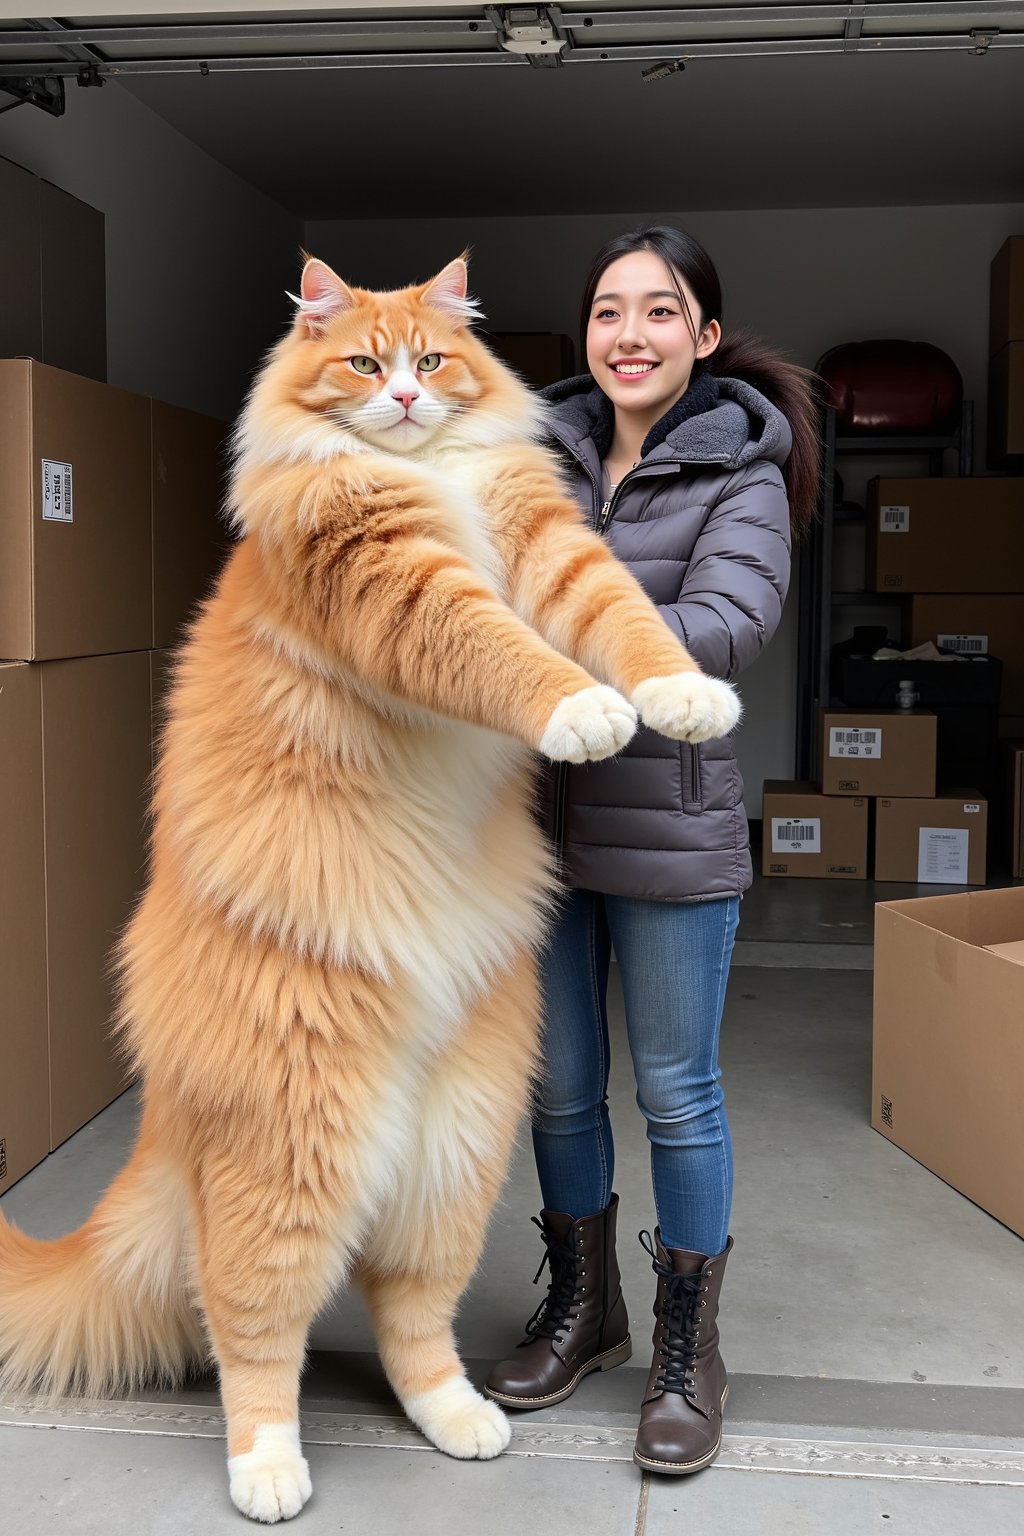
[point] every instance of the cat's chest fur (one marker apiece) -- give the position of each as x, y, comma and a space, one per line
460, 477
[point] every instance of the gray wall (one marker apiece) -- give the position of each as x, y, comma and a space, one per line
197, 260
805, 279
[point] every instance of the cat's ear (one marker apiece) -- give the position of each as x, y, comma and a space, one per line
448, 292
321, 296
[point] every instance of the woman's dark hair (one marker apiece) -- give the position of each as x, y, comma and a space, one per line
738, 356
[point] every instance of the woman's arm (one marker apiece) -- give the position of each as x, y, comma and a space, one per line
731, 598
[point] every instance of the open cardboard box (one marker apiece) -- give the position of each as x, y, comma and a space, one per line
948, 1052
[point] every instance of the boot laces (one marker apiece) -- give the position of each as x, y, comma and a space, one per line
677, 1313
556, 1311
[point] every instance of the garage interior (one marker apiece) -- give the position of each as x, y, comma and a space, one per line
854, 170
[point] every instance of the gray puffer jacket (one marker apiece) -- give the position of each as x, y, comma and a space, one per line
703, 524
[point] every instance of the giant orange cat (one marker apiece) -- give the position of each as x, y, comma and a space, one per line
328, 986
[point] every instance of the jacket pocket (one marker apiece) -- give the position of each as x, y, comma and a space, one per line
693, 789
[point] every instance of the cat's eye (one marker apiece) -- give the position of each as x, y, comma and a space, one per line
430, 362
365, 365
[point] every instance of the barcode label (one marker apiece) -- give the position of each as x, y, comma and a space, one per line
796, 834
854, 741
894, 519
57, 503
966, 645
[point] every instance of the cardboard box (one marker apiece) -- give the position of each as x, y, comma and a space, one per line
74, 283
95, 784
21, 304
82, 744
161, 665
1006, 295
539, 357
1006, 408
1014, 951
810, 835
52, 275
945, 534
1012, 822
190, 537
24, 1049
986, 624
932, 842
948, 1049
75, 516
879, 752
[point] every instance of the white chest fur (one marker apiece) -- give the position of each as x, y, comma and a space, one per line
457, 476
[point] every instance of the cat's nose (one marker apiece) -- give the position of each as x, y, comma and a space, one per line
406, 397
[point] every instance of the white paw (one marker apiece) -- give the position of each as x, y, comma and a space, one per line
688, 706
271, 1482
459, 1421
589, 725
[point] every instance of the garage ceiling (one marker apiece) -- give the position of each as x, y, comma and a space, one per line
338, 112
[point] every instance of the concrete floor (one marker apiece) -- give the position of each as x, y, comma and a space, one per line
871, 1322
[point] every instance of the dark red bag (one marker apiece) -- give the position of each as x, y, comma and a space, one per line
892, 388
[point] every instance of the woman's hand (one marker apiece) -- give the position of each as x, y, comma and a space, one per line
687, 706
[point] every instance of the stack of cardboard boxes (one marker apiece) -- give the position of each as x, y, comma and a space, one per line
955, 548
109, 533
877, 789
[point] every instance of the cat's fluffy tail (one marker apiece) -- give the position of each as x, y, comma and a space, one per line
109, 1307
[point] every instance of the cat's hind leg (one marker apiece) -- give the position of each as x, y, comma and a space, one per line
427, 1244
261, 1279
266, 1263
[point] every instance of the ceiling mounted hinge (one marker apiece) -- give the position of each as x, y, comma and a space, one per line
530, 31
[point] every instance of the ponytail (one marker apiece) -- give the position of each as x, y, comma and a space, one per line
792, 390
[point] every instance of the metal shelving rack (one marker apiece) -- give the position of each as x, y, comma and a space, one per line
817, 597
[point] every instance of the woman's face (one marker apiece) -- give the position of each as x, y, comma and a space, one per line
640, 346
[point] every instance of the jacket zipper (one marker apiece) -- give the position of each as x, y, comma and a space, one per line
602, 517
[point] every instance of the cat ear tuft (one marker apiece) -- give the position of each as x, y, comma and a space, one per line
448, 292
321, 296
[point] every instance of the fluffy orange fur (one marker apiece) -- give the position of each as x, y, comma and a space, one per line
328, 986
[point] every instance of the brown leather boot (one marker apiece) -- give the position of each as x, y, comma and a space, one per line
580, 1326
681, 1418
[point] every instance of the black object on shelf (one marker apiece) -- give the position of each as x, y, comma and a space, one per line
862, 644
963, 694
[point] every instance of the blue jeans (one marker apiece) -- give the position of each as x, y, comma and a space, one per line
674, 963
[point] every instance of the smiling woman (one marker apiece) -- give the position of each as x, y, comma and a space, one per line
694, 455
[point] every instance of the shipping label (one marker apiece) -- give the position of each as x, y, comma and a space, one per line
894, 519
942, 855
57, 501
965, 645
796, 834
855, 741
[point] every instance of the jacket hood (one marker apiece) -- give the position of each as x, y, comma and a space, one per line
740, 426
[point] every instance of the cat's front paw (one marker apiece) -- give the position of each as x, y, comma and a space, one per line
459, 1421
594, 723
271, 1482
688, 706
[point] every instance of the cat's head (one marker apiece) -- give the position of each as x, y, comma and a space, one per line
399, 371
